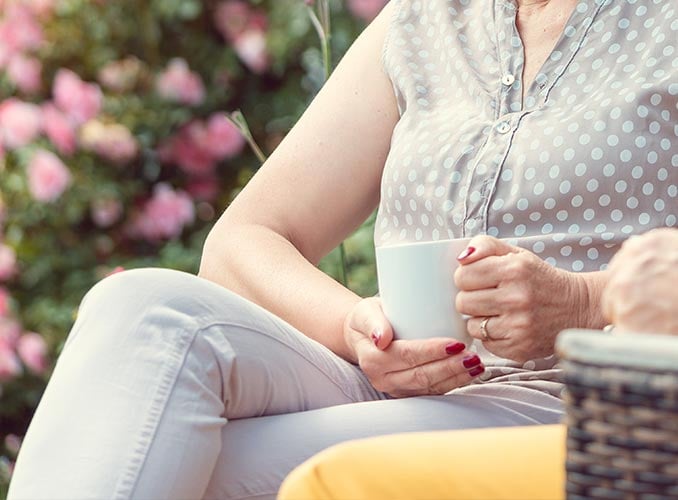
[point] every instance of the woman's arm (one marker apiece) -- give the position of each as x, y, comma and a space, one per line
317, 187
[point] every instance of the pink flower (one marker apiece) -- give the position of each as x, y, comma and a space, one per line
109, 140
26, 73
203, 188
78, 99
231, 18
20, 31
178, 83
9, 363
188, 149
366, 9
165, 214
42, 8
4, 302
19, 122
32, 350
59, 128
120, 76
48, 177
251, 49
7, 262
105, 212
224, 140
10, 330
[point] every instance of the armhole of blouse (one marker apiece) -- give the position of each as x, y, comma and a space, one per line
387, 43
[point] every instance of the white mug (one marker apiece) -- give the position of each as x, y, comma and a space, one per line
417, 290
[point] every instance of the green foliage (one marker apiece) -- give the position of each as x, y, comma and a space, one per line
61, 249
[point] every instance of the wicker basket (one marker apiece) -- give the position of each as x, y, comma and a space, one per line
622, 415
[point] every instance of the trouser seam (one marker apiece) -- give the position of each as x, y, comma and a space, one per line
129, 478
280, 341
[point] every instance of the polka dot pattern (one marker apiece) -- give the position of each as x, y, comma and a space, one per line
592, 149
588, 158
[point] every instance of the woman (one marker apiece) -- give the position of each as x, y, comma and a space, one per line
173, 387
526, 462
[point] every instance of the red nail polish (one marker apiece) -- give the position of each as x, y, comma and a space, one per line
476, 371
467, 252
455, 348
471, 361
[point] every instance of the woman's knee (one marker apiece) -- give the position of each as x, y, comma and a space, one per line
130, 303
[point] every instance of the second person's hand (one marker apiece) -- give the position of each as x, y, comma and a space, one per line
403, 368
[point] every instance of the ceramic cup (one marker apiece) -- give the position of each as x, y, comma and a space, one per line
416, 286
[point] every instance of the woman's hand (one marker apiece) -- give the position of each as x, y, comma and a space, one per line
525, 300
642, 294
403, 368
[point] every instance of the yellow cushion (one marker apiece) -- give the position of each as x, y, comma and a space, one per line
504, 463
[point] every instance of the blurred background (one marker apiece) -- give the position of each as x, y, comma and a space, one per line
126, 128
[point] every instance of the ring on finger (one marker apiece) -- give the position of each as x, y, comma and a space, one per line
483, 329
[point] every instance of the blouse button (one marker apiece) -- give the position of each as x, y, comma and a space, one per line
503, 127
508, 79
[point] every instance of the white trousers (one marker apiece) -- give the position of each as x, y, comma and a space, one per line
171, 387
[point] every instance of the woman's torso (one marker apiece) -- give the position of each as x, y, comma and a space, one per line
588, 158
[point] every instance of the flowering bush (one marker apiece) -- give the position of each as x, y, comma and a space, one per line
117, 150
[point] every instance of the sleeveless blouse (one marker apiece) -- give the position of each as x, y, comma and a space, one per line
587, 159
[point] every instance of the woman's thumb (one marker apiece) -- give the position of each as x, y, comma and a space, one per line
378, 327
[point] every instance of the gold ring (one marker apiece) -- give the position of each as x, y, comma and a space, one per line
483, 329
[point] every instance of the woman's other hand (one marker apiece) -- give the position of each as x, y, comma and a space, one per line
524, 300
404, 368
642, 294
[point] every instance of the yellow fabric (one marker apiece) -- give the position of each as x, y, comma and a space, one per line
521, 463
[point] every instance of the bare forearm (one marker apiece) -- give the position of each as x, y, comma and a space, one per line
264, 267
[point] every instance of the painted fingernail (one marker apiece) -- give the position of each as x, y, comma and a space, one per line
476, 371
471, 361
455, 348
376, 336
467, 251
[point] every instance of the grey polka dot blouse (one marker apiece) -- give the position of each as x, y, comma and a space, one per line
588, 158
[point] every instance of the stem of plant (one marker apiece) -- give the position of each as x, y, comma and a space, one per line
238, 119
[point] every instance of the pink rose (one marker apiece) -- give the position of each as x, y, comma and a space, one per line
105, 212
42, 8
366, 9
9, 363
7, 262
10, 330
224, 139
178, 83
25, 73
122, 75
48, 177
20, 31
109, 140
188, 149
251, 49
59, 128
32, 350
20, 122
203, 188
165, 214
80, 100
4, 302
231, 18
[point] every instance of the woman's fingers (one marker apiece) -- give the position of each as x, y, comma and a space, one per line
368, 318
437, 377
494, 327
484, 246
478, 275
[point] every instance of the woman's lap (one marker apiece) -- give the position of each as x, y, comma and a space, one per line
159, 361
